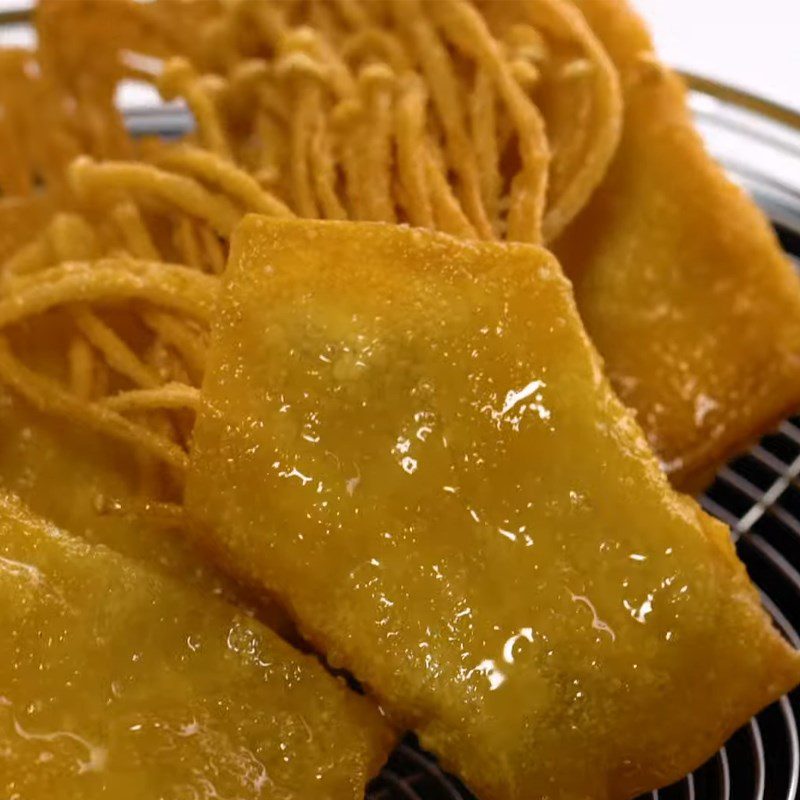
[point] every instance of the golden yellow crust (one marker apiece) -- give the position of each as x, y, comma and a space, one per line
679, 279
409, 438
118, 683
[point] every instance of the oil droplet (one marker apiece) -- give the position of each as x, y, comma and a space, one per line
97, 755
525, 634
409, 465
597, 623
489, 670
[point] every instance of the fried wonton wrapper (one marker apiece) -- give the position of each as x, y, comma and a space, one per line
679, 279
118, 683
411, 440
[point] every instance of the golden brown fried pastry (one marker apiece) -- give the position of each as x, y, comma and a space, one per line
679, 279
118, 683
410, 439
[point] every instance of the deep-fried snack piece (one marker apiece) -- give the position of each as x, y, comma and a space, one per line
410, 439
678, 277
118, 683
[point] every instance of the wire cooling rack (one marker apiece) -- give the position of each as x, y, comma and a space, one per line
757, 494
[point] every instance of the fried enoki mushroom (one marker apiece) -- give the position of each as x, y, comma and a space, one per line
492, 121
105, 284
132, 271
43, 127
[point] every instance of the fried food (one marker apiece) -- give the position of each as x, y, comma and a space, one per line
116, 682
70, 476
488, 120
75, 480
410, 440
409, 110
390, 428
435, 114
21, 219
44, 126
679, 279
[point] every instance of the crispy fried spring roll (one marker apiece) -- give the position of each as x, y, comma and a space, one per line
679, 279
115, 682
410, 439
